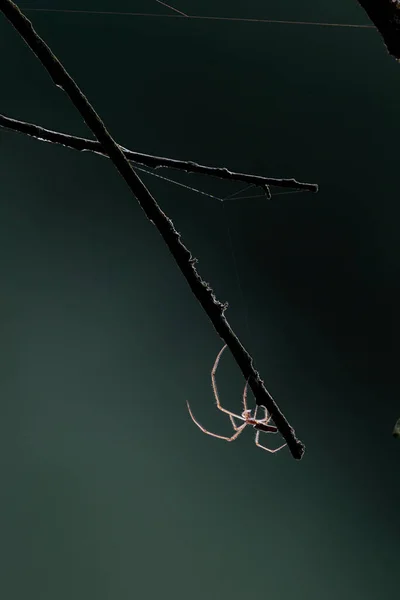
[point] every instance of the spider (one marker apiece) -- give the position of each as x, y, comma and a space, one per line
246, 416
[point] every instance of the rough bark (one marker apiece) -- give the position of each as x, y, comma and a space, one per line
186, 263
385, 15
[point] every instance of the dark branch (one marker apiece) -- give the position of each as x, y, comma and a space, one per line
214, 309
82, 144
385, 15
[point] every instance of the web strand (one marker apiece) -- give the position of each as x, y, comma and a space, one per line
229, 198
236, 268
180, 15
235, 195
172, 8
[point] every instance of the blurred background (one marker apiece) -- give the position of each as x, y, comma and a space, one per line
109, 491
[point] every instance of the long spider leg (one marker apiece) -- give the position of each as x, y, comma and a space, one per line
266, 418
264, 447
215, 390
256, 408
244, 399
235, 427
255, 412
221, 437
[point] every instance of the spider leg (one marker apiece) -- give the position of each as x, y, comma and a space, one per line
220, 437
244, 398
235, 427
266, 418
215, 390
264, 447
255, 412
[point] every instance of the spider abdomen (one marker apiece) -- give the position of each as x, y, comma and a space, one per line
264, 427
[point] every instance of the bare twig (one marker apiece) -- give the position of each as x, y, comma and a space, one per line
385, 15
83, 144
214, 309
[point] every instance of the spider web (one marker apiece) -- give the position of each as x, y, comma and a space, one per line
247, 192
181, 15
241, 194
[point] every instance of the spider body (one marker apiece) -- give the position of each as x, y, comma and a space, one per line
260, 425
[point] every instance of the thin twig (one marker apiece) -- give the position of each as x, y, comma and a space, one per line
203, 292
82, 144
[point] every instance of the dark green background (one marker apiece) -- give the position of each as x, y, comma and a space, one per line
108, 489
